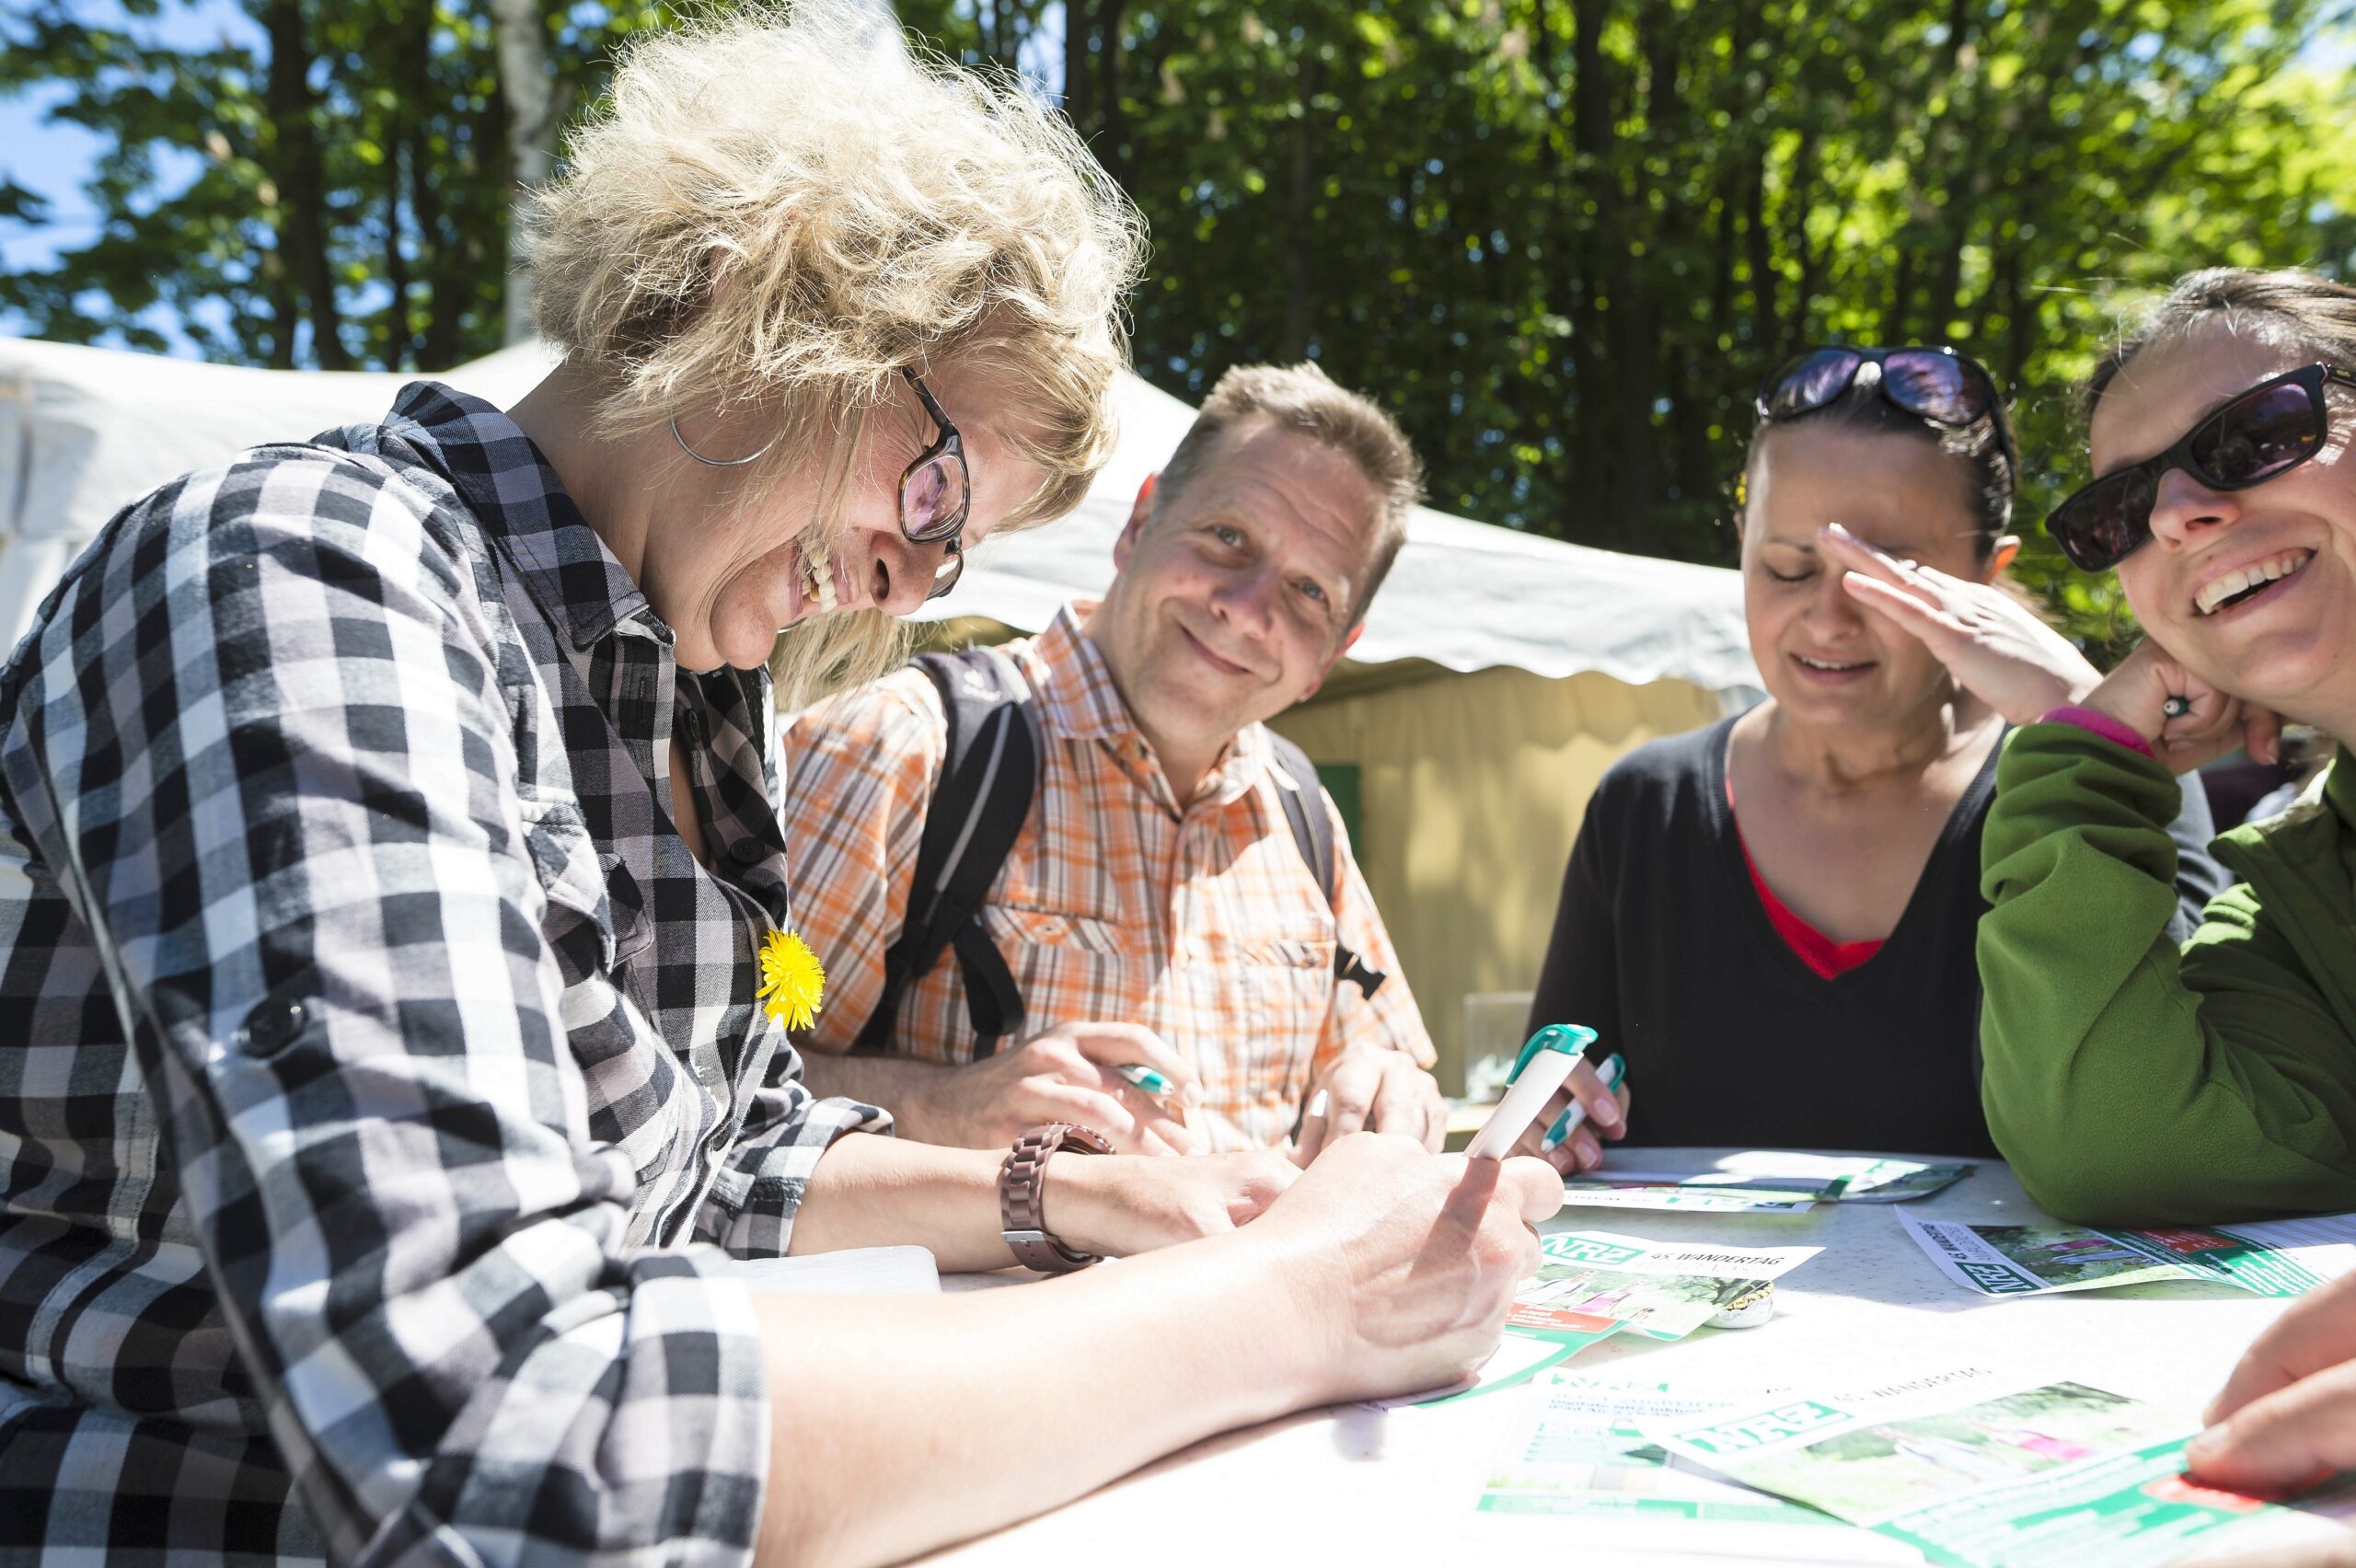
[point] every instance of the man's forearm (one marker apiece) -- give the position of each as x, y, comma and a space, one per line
898, 1084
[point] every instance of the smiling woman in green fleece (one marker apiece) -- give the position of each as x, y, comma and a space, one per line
2128, 1080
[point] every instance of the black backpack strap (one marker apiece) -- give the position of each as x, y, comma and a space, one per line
988, 776
1312, 834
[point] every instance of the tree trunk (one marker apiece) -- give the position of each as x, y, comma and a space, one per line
438, 349
434, 344
1632, 322
286, 311
1595, 465
1301, 237
1901, 291
1075, 24
397, 333
1796, 241
301, 183
1766, 310
528, 87
1110, 128
1731, 185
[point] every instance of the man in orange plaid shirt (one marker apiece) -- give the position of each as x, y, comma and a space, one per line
1154, 910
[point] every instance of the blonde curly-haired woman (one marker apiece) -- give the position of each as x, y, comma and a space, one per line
394, 923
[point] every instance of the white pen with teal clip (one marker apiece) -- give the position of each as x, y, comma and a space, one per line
1544, 1064
1611, 1071
1141, 1077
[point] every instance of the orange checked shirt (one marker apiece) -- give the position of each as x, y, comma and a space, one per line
1118, 905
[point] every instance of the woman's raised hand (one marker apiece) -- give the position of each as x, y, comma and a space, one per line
1989, 640
2187, 721
1407, 1259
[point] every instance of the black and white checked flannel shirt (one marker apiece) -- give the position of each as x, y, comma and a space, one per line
377, 1069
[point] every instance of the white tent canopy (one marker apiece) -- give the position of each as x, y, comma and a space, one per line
83, 431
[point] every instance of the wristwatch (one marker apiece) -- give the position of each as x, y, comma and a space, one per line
1020, 1181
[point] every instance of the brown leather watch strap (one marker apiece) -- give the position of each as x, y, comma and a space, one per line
1021, 1181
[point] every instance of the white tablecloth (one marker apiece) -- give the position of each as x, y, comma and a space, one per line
1354, 1486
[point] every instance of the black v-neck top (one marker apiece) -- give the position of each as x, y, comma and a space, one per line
1662, 946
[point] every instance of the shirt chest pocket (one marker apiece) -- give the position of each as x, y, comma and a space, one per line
1079, 935
595, 920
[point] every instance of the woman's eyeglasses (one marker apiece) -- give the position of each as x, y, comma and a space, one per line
2266, 431
935, 491
1933, 383
952, 567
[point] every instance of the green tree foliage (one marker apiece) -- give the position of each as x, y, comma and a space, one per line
1562, 240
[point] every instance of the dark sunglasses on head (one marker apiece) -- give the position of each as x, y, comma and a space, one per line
1933, 383
2266, 431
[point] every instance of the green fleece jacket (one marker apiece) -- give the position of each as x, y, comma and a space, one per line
2128, 1082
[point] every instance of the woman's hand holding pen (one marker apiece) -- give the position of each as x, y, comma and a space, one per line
1405, 1261
1607, 1120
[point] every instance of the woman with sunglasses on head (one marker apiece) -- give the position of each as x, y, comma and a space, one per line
1773, 918
398, 944
2132, 1077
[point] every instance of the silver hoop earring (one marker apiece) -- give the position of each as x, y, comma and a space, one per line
717, 462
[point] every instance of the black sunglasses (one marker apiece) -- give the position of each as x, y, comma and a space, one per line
1937, 384
2266, 431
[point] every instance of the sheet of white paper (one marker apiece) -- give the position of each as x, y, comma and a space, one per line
2324, 1242
1867, 1179
1680, 1194
862, 1270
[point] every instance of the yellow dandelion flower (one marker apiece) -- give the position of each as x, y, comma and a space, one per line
793, 983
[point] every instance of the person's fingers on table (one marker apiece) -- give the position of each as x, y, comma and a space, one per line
1533, 1137
2317, 1331
1182, 1138
1116, 1046
1407, 1100
1159, 1134
2285, 1440
1603, 1105
1158, 1126
1586, 1152
1313, 1119
1350, 1090
1055, 1100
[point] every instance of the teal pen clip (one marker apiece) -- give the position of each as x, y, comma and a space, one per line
1145, 1080
1611, 1071
1570, 1038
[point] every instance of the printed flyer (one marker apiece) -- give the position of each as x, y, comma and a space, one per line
1593, 1282
1575, 1455
1981, 1470
1707, 1194
2274, 1258
1858, 1180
